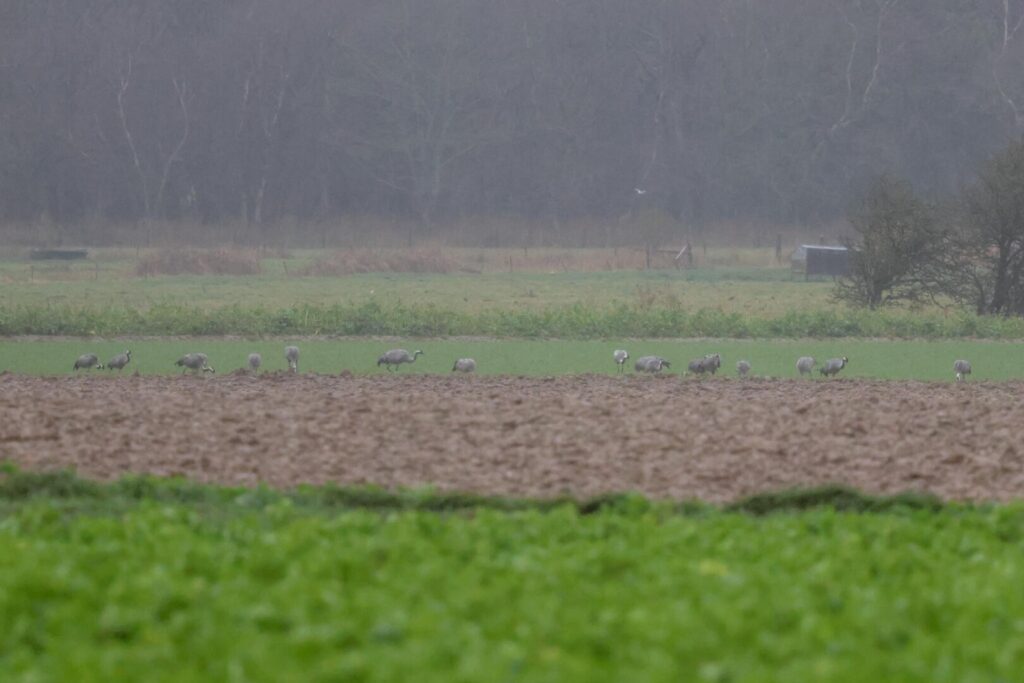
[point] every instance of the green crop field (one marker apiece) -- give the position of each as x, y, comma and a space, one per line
734, 290
255, 586
565, 293
881, 359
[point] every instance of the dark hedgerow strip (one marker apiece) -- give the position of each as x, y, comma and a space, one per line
570, 322
17, 486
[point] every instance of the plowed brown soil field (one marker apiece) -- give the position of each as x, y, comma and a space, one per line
714, 440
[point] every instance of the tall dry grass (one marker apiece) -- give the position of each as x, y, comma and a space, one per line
438, 259
369, 231
198, 262
353, 261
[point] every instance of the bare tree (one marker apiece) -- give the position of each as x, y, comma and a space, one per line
895, 245
430, 111
993, 248
153, 201
1011, 18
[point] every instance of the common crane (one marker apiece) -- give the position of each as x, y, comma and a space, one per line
709, 363
651, 364
961, 367
395, 357
119, 361
464, 365
291, 354
620, 356
87, 361
196, 362
832, 366
805, 365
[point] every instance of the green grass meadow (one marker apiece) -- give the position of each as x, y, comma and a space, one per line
734, 295
255, 587
106, 283
564, 306
877, 359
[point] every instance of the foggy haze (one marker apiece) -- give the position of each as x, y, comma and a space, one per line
245, 116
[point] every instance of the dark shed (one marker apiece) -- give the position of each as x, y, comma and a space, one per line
812, 259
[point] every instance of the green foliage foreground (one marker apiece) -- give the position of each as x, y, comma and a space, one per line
181, 582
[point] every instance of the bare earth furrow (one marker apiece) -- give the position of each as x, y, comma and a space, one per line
665, 437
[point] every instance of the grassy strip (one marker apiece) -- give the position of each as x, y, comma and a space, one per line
869, 358
17, 485
577, 321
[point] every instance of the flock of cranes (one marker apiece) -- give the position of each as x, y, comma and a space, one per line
200, 362
392, 360
712, 362
90, 361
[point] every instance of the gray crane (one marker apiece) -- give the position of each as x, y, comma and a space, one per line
119, 361
255, 361
651, 364
805, 365
196, 362
620, 356
464, 365
709, 363
395, 357
291, 354
742, 367
88, 361
961, 368
832, 366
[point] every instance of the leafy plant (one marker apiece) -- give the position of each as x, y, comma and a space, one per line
200, 583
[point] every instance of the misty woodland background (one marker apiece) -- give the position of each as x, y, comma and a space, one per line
490, 122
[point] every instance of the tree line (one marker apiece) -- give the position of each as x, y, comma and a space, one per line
257, 112
968, 249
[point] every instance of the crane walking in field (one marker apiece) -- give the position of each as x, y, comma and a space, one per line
119, 361
832, 366
709, 363
255, 361
620, 356
961, 368
742, 367
395, 357
291, 354
464, 365
805, 365
87, 361
196, 362
651, 364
